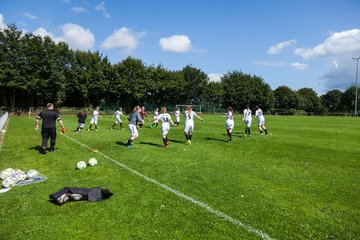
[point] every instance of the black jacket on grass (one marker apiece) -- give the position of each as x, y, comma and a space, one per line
76, 194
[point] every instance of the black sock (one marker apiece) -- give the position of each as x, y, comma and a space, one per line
187, 137
164, 140
190, 137
90, 126
114, 125
230, 136
266, 132
260, 131
129, 141
120, 125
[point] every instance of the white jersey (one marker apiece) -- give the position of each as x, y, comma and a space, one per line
260, 116
165, 119
177, 115
95, 115
189, 117
229, 123
118, 114
247, 114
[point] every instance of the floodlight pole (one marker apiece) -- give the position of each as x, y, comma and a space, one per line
356, 88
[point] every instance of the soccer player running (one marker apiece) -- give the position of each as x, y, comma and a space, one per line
229, 123
133, 118
177, 116
81, 121
247, 120
117, 114
165, 127
155, 121
189, 123
94, 119
142, 115
48, 128
261, 120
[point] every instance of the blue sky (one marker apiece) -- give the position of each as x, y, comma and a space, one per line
304, 43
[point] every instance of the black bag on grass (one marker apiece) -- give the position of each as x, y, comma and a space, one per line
76, 194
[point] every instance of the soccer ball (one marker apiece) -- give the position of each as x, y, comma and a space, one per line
32, 173
20, 175
9, 182
7, 172
92, 162
81, 165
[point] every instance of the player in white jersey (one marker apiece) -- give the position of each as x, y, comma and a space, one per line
247, 120
177, 116
155, 121
229, 122
189, 123
261, 120
117, 115
94, 119
165, 127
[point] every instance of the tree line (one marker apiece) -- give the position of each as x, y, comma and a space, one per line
36, 70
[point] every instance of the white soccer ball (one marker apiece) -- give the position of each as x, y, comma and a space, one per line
4, 174
9, 182
92, 162
32, 173
20, 175
81, 165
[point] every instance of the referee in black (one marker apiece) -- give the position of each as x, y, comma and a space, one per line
48, 128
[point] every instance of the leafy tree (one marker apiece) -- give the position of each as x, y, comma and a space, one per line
309, 100
347, 102
331, 100
285, 98
195, 81
241, 89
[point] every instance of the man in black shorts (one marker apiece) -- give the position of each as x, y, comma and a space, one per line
48, 128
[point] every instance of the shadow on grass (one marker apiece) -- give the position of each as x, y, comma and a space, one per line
38, 148
216, 139
121, 143
176, 141
151, 144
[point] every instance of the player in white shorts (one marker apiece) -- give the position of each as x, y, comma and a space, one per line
261, 120
117, 115
189, 123
177, 116
155, 121
247, 120
229, 122
94, 119
133, 118
165, 127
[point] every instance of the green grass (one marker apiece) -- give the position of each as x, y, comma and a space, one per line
301, 182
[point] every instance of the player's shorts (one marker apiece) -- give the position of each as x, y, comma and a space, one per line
189, 127
165, 128
133, 130
94, 121
178, 119
81, 125
118, 120
229, 124
247, 122
156, 121
261, 121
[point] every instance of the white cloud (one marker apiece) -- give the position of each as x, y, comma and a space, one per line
176, 43
79, 9
339, 43
101, 7
215, 77
32, 17
276, 49
122, 38
76, 36
2, 22
42, 32
271, 64
299, 66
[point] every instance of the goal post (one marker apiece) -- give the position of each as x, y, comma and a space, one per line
196, 108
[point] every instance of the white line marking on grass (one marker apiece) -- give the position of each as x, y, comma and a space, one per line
182, 195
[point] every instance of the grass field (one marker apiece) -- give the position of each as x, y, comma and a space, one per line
300, 182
